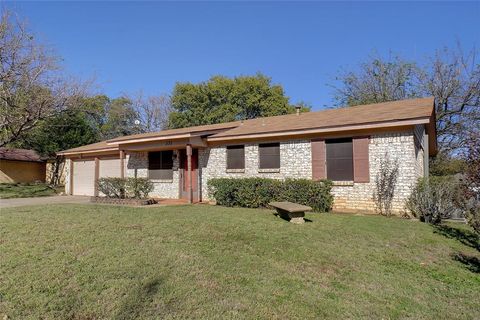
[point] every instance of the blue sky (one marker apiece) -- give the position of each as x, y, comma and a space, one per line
149, 46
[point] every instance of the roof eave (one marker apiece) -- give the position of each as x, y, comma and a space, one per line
159, 136
67, 152
383, 124
149, 139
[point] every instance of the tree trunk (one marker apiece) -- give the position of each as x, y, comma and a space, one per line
57, 170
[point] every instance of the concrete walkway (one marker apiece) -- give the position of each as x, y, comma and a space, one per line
18, 202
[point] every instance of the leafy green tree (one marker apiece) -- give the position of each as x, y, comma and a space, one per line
446, 165
121, 119
223, 99
95, 109
64, 131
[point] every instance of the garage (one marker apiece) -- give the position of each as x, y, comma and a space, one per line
83, 177
109, 168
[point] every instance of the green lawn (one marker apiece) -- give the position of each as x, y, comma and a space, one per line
98, 262
25, 190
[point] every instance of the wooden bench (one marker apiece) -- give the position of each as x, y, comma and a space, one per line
291, 211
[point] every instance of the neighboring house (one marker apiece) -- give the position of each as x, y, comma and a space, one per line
344, 145
21, 165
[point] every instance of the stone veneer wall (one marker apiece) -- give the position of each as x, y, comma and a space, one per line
67, 176
397, 146
419, 161
137, 166
295, 162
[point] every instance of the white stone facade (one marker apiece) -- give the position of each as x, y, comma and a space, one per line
67, 176
295, 162
137, 166
396, 146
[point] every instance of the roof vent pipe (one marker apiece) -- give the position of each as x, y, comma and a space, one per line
297, 107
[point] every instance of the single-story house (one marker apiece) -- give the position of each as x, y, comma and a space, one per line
344, 145
21, 165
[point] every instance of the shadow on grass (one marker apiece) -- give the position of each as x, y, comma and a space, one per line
472, 263
466, 237
138, 299
287, 219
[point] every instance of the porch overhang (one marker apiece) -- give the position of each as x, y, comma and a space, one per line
160, 144
89, 153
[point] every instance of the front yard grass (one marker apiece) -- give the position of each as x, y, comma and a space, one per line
25, 190
106, 262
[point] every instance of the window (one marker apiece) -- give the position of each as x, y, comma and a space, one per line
269, 155
236, 157
160, 165
339, 159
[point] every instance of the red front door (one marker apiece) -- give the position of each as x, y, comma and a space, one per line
184, 176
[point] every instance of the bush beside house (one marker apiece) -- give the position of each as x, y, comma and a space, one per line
122, 188
435, 198
258, 192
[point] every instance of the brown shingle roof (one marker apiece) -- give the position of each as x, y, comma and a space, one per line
20, 155
364, 114
102, 145
172, 132
110, 144
334, 118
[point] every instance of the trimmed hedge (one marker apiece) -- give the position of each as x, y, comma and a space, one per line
121, 188
258, 192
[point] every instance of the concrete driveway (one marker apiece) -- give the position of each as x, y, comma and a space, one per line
19, 202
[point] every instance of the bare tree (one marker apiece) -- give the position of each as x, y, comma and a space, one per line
378, 80
451, 76
31, 85
471, 181
152, 111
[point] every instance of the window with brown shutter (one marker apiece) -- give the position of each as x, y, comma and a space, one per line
160, 165
269, 155
318, 159
339, 159
236, 157
361, 170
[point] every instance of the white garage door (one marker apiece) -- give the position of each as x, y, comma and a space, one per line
109, 168
83, 177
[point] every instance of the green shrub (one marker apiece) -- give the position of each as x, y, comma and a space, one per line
138, 188
121, 188
112, 187
435, 198
471, 207
258, 192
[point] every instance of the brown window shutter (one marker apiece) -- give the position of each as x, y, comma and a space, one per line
318, 159
361, 171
